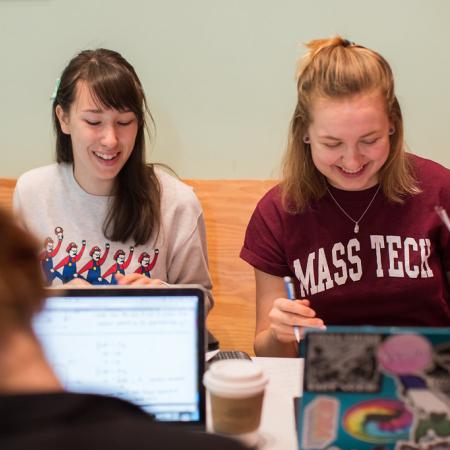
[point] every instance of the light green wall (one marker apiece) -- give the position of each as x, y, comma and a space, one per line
219, 75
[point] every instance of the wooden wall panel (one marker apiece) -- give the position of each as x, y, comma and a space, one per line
6, 192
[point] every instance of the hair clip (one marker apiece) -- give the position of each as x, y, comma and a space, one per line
347, 43
55, 89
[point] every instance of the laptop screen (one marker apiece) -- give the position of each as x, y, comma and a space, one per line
142, 345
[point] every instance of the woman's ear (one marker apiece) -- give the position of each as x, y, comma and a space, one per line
63, 119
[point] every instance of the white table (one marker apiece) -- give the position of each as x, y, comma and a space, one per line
278, 428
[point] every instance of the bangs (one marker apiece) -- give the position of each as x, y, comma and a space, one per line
114, 88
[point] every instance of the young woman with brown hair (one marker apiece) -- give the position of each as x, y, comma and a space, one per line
109, 206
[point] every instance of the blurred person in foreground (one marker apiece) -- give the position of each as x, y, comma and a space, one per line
36, 413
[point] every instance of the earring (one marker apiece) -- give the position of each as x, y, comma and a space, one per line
306, 140
391, 131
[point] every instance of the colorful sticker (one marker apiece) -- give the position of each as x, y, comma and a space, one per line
378, 421
405, 354
345, 363
320, 422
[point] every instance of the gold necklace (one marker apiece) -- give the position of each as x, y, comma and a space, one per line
356, 222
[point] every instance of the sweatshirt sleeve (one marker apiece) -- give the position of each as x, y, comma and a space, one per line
189, 263
184, 234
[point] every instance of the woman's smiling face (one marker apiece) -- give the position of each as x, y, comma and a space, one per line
102, 140
349, 139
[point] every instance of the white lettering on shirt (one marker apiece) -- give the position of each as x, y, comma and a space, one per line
339, 248
307, 282
395, 266
355, 275
412, 272
400, 255
377, 243
425, 251
324, 281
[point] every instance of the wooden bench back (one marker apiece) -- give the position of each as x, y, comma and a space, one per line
6, 192
227, 206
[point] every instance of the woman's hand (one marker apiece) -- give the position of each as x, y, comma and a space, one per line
276, 317
137, 279
286, 314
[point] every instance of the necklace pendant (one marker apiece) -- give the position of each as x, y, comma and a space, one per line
356, 222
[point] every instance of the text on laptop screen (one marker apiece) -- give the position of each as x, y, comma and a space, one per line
142, 349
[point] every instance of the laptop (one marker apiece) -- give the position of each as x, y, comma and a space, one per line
375, 388
144, 345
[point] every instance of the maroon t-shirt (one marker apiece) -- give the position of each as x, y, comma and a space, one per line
392, 272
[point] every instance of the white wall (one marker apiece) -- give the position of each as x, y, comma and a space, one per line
219, 75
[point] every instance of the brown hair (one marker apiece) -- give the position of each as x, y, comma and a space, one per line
335, 69
21, 283
135, 207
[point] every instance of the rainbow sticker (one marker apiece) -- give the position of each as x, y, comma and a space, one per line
378, 421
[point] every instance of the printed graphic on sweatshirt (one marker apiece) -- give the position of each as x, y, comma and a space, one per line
145, 265
69, 263
92, 270
49, 252
120, 263
93, 267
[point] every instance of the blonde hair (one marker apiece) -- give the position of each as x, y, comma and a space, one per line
335, 69
21, 281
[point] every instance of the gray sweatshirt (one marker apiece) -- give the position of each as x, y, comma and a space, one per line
68, 221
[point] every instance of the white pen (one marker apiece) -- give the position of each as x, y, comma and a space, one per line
289, 285
442, 213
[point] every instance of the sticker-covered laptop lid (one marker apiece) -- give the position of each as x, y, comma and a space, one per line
376, 388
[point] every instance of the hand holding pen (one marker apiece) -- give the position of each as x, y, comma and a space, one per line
292, 314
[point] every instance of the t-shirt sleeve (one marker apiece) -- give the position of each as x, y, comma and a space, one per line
264, 239
435, 182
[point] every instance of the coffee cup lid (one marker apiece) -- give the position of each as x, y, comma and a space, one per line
235, 378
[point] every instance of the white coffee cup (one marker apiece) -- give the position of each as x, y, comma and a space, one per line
236, 388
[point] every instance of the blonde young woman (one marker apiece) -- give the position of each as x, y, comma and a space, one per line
353, 221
